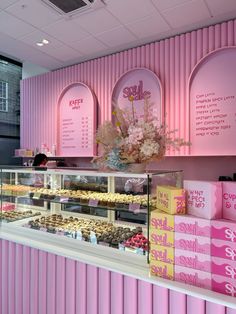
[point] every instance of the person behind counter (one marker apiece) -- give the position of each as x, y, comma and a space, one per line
40, 160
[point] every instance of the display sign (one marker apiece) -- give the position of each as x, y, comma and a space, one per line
137, 88
213, 104
77, 121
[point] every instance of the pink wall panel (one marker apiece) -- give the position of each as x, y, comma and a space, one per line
171, 59
177, 300
160, 300
60, 290
117, 297
37, 282
80, 306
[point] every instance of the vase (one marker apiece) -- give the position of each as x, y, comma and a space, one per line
137, 168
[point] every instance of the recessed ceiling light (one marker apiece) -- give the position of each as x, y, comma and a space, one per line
40, 44
45, 41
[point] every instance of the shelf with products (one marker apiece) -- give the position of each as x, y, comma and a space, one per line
107, 208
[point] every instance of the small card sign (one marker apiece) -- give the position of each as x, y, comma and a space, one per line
93, 202
57, 199
121, 247
79, 235
68, 234
134, 207
36, 196
93, 238
139, 251
64, 199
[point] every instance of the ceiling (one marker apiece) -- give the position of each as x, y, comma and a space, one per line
115, 26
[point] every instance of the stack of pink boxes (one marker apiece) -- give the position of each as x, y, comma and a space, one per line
223, 250
198, 248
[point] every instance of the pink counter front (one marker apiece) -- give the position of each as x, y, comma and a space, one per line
34, 281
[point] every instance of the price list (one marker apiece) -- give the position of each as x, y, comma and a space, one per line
77, 126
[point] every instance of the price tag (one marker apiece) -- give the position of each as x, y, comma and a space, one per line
79, 235
121, 247
64, 199
36, 196
93, 238
93, 202
139, 251
134, 207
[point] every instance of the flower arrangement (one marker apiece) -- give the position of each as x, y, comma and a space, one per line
131, 140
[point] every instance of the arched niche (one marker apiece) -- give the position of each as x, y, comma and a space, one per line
76, 121
212, 101
141, 83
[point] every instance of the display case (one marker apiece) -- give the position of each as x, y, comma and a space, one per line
106, 209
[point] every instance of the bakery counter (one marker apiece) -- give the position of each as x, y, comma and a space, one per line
84, 261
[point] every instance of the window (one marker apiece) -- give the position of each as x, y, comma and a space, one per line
3, 96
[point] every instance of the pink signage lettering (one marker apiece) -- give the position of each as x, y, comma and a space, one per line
142, 84
159, 223
188, 278
75, 103
160, 271
136, 91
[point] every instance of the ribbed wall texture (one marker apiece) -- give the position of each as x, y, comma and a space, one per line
171, 59
36, 282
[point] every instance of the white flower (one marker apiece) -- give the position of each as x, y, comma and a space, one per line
149, 148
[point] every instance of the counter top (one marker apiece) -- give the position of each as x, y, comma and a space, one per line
107, 258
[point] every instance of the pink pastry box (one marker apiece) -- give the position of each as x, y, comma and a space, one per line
204, 198
229, 200
223, 230
223, 267
193, 277
193, 260
223, 249
162, 221
224, 285
192, 243
192, 225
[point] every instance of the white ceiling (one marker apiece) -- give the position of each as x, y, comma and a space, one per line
115, 26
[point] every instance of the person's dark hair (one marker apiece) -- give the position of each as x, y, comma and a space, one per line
40, 159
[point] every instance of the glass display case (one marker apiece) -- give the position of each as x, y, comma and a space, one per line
109, 209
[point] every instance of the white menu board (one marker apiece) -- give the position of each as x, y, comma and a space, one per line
77, 122
213, 104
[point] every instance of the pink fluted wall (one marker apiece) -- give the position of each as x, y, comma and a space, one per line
37, 282
171, 59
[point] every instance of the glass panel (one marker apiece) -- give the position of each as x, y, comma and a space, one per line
131, 203
87, 194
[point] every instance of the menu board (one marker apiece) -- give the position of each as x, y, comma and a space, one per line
77, 121
213, 104
143, 86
